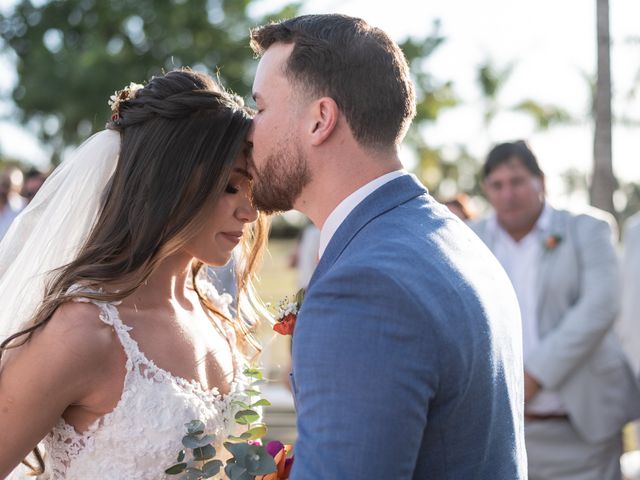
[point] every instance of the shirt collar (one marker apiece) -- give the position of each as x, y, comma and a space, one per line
544, 221
344, 208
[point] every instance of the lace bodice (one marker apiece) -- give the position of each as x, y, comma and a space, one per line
141, 437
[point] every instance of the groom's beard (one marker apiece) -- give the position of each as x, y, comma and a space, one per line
280, 181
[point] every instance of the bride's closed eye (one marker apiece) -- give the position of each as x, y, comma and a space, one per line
232, 189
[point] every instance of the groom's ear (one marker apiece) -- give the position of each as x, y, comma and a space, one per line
324, 118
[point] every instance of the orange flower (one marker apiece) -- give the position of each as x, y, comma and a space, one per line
552, 241
286, 325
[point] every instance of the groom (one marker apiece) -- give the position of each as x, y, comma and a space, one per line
407, 358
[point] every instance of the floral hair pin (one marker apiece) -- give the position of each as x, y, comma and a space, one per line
120, 96
552, 241
288, 314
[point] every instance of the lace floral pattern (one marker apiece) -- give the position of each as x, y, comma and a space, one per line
141, 436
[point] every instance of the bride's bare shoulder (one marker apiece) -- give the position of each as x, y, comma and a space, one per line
74, 336
72, 356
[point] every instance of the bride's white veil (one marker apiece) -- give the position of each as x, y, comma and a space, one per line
51, 230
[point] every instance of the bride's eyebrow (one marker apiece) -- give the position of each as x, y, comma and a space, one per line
242, 172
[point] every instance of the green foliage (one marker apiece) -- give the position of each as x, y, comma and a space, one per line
543, 114
492, 78
248, 459
71, 54
447, 171
432, 96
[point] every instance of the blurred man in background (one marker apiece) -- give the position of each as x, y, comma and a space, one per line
579, 390
33, 180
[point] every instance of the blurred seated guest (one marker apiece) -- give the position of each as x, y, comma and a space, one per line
8, 209
33, 180
16, 179
461, 207
579, 392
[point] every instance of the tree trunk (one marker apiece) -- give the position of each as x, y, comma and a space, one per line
603, 183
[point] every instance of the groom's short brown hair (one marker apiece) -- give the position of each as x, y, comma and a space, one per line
357, 65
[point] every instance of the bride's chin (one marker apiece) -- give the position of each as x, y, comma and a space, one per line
219, 260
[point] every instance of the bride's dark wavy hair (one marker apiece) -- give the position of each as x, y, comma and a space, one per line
180, 136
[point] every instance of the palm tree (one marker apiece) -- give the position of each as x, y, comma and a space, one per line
603, 182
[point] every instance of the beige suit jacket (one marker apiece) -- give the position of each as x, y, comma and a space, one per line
578, 300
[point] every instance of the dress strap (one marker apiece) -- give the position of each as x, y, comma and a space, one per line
109, 315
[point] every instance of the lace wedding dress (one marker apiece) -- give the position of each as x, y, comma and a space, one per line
141, 437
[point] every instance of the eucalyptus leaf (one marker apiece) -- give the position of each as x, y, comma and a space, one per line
211, 468
251, 393
237, 472
176, 469
242, 438
259, 462
192, 473
261, 403
256, 432
194, 441
240, 404
195, 427
238, 450
244, 417
300, 297
206, 452
181, 455
253, 373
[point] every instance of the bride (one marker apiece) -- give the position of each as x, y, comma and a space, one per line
118, 338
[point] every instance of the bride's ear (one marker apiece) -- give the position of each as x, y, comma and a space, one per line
324, 118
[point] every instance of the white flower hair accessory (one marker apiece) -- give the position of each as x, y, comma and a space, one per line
120, 96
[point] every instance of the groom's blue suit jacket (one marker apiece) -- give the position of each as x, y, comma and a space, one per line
407, 359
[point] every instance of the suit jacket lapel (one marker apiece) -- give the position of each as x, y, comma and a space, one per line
385, 198
486, 230
546, 261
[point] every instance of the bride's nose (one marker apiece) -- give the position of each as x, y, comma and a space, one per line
245, 211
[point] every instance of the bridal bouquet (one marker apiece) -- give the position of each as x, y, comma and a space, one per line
250, 459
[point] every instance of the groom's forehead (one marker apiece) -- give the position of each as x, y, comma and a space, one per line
271, 67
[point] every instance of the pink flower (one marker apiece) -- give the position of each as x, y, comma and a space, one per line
279, 452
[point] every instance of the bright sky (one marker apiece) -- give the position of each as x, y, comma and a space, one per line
552, 41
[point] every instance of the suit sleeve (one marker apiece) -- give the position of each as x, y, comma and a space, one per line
363, 377
585, 324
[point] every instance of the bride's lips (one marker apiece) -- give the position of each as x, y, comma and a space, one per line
233, 237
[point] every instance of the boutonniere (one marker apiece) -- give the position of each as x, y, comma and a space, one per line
288, 314
552, 241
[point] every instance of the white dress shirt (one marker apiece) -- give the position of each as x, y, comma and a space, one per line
344, 208
521, 260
